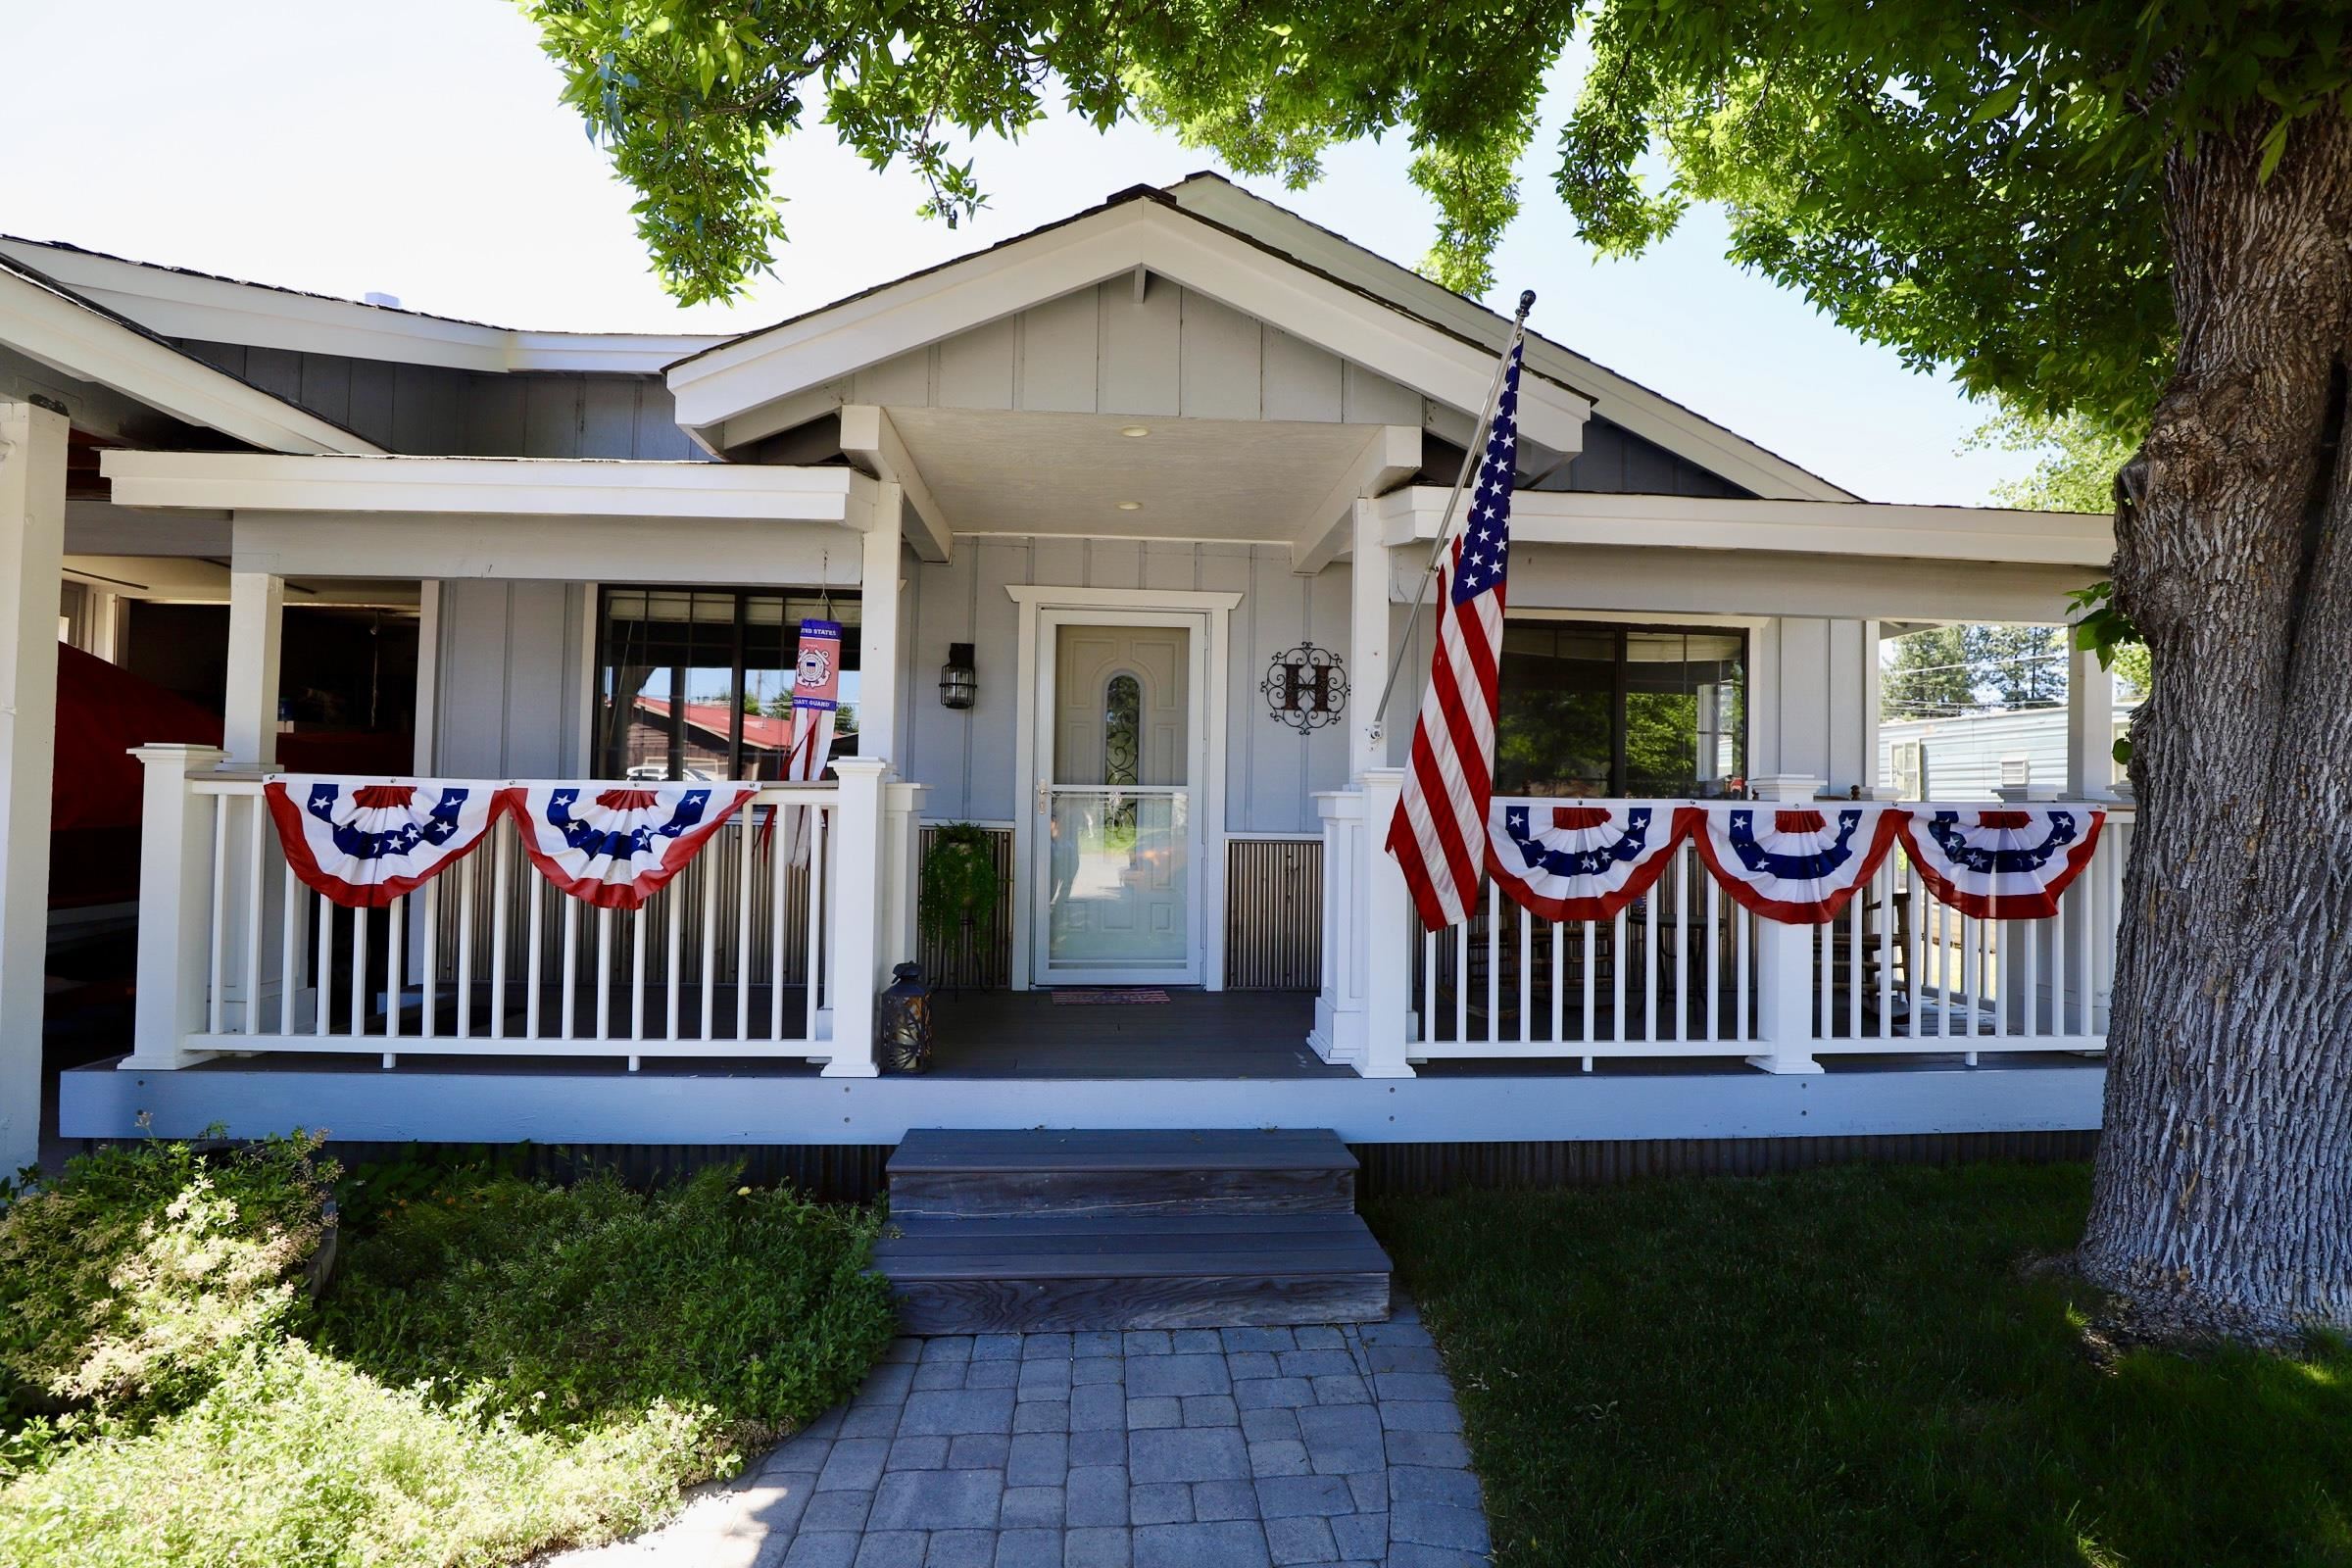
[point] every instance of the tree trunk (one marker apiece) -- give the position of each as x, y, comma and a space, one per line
2224, 1195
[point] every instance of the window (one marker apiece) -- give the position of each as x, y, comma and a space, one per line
697, 682
1620, 711
1910, 770
1122, 729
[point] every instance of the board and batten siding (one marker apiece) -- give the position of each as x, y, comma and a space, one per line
512, 687
966, 758
434, 411
1102, 351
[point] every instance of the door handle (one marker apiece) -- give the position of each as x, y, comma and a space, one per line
1044, 796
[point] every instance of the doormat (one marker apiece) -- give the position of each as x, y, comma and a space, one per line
1109, 996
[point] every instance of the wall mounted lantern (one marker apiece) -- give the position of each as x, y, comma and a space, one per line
959, 682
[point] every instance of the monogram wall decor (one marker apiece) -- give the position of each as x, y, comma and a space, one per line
1306, 687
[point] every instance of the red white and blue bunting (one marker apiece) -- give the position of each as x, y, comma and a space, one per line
1797, 864
364, 845
2007, 863
614, 845
1580, 862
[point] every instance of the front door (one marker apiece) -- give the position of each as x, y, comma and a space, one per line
1117, 842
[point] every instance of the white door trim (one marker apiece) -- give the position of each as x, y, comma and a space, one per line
1212, 660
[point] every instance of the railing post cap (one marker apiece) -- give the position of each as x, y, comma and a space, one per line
862, 766
1786, 786
157, 753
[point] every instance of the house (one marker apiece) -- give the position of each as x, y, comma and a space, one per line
1958, 757
1169, 471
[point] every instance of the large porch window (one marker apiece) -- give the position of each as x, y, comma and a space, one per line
697, 682
1590, 708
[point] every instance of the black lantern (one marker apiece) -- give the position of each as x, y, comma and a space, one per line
959, 682
905, 1022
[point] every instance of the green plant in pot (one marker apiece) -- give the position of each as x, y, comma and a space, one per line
959, 886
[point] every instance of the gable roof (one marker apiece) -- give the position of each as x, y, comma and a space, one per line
1623, 402
1142, 231
76, 336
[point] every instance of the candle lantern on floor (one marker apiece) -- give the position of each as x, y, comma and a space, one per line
905, 1021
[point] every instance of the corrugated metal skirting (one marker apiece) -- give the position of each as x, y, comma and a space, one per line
982, 958
1273, 914
1415, 1168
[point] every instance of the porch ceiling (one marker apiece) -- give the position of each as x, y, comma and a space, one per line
1259, 482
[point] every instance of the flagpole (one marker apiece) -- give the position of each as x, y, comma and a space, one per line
1470, 461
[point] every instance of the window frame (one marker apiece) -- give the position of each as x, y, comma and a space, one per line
1621, 634
606, 751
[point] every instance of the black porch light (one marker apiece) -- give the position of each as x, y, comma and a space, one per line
959, 682
904, 1021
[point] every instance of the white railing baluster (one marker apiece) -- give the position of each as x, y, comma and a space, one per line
1461, 982
289, 954
1743, 1019
1854, 968
603, 972
709, 862
1681, 947
2059, 978
778, 927
1915, 991
637, 975
429, 972
1586, 951
1494, 963
216, 1000
1429, 980
1887, 921
358, 973
1617, 1035
1714, 952
743, 936
568, 1003
1559, 982
1527, 975
323, 1019
672, 924
254, 899
818, 840
395, 940
498, 938
534, 962
466, 876
1650, 964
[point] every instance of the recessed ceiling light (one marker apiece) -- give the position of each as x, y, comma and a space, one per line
1130, 506
1133, 429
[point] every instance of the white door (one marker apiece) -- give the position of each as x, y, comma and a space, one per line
1116, 898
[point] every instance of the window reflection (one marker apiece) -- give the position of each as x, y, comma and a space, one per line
1609, 710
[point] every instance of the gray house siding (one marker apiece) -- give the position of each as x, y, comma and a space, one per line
510, 694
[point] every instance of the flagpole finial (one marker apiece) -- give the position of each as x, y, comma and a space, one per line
1527, 302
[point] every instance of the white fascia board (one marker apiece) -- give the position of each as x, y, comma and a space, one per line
218, 310
728, 382
1391, 456
74, 340
539, 487
1623, 402
1820, 528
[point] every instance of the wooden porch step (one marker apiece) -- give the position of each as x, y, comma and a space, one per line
970, 1276
936, 1173
1009, 1231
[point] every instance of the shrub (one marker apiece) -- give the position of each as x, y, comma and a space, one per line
588, 1304
126, 1282
293, 1459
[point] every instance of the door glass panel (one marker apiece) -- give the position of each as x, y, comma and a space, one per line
1118, 890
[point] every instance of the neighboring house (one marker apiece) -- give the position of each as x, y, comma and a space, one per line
1169, 471
1972, 756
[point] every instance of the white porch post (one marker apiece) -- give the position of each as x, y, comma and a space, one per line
2090, 727
1784, 958
857, 900
902, 849
879, 675
257, 603
1387, 928
1368, 651
1339, 1032
175, 896
32, 536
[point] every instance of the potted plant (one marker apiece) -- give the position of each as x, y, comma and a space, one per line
958, 900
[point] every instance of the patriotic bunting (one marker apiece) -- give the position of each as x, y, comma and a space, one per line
2008, 862
614, 846
364, 845
1582, 861
1796, 864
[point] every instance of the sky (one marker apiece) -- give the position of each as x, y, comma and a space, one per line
325, 145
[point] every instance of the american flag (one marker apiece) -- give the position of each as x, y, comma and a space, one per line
1439, 834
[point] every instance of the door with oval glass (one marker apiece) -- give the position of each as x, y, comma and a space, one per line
1117, 842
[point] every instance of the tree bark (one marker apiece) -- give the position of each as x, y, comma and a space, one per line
2224, 1195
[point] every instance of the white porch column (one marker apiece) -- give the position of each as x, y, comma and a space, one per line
1785, 956
176, 906
902, 851
1387, 928
2090, 727
856, 872
33, 537
1368, 651
879, 675
1339, 1032
257, 603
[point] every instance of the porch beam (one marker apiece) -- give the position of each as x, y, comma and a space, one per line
1391, 456
32, 534
870, 439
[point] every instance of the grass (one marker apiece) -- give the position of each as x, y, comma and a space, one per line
1849, 1367
498, 1368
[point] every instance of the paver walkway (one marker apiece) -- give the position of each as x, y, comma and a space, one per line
1192, 1448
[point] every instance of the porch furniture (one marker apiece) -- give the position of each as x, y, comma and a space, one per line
1024, 1231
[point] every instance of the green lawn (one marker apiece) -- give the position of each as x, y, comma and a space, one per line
1848, 1367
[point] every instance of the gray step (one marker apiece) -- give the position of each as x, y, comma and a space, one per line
940, 1174
1055, 1271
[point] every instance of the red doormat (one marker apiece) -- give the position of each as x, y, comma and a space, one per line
1106, 997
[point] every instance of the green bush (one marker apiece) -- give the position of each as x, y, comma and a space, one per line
294, 1459
588, 1302
126, 1282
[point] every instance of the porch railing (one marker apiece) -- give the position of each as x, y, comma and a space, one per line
1686, 972
742, 954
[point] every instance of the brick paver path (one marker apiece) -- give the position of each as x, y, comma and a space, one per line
1189, 1449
